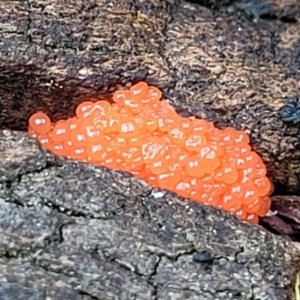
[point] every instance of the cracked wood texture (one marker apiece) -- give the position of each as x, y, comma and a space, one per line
70, 230
73, 231
212, 64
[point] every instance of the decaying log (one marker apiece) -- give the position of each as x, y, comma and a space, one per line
221, 67
74, 231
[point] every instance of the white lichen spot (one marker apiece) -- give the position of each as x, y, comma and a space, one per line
158, 195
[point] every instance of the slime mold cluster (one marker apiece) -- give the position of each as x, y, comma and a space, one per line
139, 133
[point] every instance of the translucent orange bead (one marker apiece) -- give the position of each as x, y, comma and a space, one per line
140, 122
87, 132
71, 124
83, 108
44, 140
175, 167
260, 170
132, 153
229, 135
116, 107
109, 137
241, 138
121, 96
78, 153
148, 111
248, 172
240, 163
140, 174
243, 150
98, 152
181, 155
32, 133
177, 134
168, 180
194, 141
230, 174
153, 96
200, 126
263, 186
153, 149
99, 108
151, 178
134, 105
213, 198
151, 123
124, 98
193, 167
159, 166
252, 218
164, 106
250, 158
162, 164
230, 203
219, 150
166, 116
215, 135
78, 138
209, 159
254, 207
244, 180
165, 122
128, 128
125, 113
242, 214
237, 190
119, 142
186, 124
250, 195
68, 146
102, 123
139, 90
60, 132
57, 148
40, 123
265, 206
183, 188
113, 162
113, 119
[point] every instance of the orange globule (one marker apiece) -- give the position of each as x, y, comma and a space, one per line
143, 134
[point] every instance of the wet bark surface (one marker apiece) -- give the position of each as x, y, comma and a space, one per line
73, 231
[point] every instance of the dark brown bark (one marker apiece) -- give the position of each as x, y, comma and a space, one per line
72, 231
212, 65
288, 10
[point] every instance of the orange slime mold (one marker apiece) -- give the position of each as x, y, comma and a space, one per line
144, 135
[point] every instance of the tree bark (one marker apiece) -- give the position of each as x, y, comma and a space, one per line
216, 66
281, 9
73, 231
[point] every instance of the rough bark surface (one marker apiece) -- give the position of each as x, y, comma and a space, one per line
70, 230
73, 231
211, 64
288, 10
